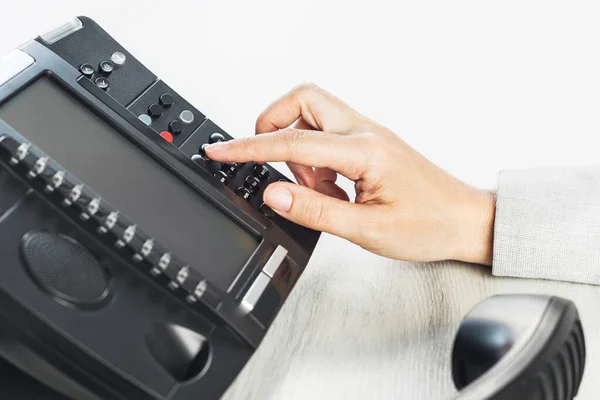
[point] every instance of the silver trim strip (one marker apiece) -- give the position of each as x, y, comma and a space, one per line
522, 315
62, 31
13, 64
256, 290
275, 261
190, 341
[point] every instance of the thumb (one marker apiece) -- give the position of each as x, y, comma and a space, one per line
315, 210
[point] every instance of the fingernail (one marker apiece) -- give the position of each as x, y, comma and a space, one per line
278, 198
217, 146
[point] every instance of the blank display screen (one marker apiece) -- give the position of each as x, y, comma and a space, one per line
162, 206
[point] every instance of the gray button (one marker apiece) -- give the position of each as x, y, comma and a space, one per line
145, 118
118, 58
275, 261
255, 291
186, 116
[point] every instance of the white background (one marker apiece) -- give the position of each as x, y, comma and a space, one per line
475, 86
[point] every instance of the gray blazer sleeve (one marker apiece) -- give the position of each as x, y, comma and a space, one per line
548, 224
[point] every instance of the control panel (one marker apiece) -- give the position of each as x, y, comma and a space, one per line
168, 114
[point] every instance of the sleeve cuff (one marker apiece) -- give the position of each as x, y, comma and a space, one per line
548, 224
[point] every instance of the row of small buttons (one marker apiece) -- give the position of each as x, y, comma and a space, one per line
156, 110
104, 69
228, 171
252, 182
110, 221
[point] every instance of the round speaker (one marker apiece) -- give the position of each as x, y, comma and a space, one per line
64, 268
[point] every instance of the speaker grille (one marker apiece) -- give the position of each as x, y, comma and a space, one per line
63, 267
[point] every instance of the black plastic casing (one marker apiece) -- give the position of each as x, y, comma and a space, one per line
104, 350
548, 365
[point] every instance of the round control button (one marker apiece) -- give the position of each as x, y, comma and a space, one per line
198, 159
266, 210
87, 70
167, 136
102, 83
223, 177
186, 116
251, 183
166, 100
203, 149
216, 137
106, 67
118, 58
230, 169
261, 171
145, 118
155, 110
243, 193
176, 127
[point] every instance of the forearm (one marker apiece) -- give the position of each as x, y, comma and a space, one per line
477, 228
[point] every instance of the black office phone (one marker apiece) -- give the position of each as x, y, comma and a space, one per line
133, 266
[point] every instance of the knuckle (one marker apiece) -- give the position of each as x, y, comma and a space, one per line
306, 93
305, 87
372, 144
371, 140
262, 121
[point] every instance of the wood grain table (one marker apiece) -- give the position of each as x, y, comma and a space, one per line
359, 326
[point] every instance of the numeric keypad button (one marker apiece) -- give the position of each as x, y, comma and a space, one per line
216, 137
244, 193
230, 169
251, 183
261, 171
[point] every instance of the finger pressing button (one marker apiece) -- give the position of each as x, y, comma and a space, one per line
203, 149
266, 210
200, 160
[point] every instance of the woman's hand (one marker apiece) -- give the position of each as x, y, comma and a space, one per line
405, 207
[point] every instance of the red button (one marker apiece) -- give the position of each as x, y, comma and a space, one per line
167, 136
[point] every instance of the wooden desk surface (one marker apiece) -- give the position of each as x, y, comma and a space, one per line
358, 326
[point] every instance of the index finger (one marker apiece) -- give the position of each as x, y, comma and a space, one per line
319, 108
342, 154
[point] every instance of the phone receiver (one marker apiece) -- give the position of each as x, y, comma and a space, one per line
519, 347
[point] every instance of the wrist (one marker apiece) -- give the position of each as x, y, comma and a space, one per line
476, 227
